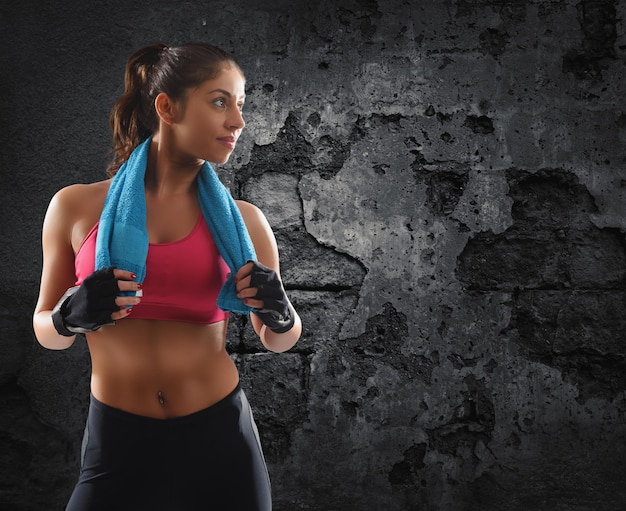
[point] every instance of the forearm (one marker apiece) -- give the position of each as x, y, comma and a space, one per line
47, 335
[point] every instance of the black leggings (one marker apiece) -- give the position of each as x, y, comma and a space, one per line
209, 460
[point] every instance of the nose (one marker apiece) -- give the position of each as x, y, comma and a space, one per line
236, 120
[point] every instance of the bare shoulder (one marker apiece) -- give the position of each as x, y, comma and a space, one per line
72, 212
77, 194
79, 199
251, 214
247, 208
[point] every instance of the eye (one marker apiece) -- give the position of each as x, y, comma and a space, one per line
240, 106
220, 102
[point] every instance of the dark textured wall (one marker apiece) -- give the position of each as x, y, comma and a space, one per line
446, 180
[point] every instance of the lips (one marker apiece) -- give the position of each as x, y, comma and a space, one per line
228, 141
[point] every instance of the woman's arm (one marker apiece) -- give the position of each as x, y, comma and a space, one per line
267, 253
70, 208
57, 273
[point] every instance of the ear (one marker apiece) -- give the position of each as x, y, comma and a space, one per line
166, 108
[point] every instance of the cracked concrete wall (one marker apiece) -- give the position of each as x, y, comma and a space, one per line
446, 181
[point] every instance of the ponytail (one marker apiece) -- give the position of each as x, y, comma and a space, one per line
133, 118
154, 69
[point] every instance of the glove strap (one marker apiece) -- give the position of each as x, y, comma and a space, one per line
275, 322
57, 314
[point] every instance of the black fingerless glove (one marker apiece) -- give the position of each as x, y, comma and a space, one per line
277, 313
87, 307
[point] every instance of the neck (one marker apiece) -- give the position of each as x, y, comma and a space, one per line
170, 172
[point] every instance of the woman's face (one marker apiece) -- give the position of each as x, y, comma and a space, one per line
211, 119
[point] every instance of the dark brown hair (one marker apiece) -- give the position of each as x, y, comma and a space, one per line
154, 69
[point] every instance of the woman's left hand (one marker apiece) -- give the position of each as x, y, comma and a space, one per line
260, 287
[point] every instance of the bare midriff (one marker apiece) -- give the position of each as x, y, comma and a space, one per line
161, 369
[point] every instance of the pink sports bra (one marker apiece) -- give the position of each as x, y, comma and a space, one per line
183, 278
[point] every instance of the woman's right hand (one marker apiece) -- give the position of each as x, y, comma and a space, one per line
96, 302
125, 282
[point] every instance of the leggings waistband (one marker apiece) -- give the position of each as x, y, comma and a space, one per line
100, 408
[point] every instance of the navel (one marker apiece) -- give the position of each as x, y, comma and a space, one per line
160, 398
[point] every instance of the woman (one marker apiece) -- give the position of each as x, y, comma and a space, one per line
169, 426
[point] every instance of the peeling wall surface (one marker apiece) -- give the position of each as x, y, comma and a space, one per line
447, 183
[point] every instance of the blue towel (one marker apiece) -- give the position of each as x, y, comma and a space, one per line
122, 239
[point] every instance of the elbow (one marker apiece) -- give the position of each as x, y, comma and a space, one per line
279, 343
46, 334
